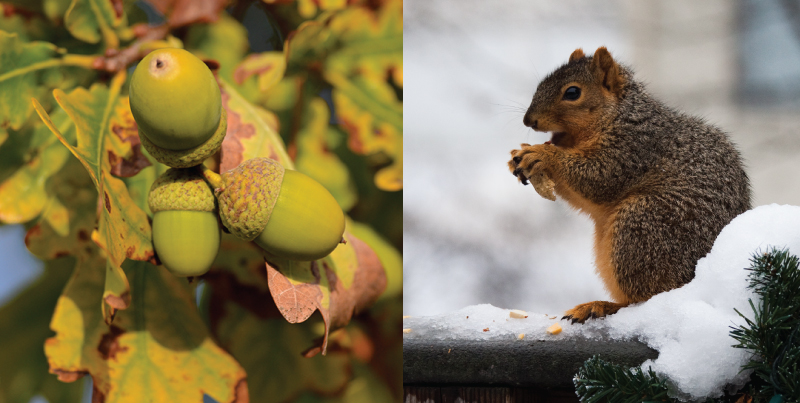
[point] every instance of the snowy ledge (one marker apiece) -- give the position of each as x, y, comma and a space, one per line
504, 361
689, 327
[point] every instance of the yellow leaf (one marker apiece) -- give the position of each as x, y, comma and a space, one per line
23, 331
360, 52
23, 196
157, 350
268, 66
249, 135
73, 188
123, 227
57, 216
92, 20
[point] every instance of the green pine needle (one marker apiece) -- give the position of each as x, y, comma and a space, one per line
772, 334
600, 381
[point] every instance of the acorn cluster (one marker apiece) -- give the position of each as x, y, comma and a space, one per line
176, 103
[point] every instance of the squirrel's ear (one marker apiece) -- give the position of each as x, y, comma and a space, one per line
607, 70
576, 55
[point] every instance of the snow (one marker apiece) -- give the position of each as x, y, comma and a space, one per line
689, 326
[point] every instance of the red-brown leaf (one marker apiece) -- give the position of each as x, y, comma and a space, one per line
185, 12
299, 288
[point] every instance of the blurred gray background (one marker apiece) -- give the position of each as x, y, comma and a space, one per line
472, 233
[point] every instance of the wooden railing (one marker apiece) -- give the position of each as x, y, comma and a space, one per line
438, 369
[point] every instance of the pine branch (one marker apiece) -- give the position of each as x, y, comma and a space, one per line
773, 333
600, 381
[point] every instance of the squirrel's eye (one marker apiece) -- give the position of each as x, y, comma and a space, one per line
572, 93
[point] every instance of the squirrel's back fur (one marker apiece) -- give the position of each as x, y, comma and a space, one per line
659, 184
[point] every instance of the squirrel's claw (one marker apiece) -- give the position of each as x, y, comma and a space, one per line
573, 319
513, 166
519, 174
592, 310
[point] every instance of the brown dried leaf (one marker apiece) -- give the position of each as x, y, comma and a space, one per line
350, 279
186, 12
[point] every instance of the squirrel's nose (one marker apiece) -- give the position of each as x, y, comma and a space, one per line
526, 120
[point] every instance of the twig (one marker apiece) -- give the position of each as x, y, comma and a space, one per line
116, 60
213, 178
66, 60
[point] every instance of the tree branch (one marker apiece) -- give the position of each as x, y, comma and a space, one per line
117, 60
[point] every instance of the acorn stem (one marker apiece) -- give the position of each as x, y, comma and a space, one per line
212, 177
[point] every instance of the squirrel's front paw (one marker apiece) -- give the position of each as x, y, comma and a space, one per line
592, 310
513, 164
526, 164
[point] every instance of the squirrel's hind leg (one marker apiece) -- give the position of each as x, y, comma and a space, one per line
593, 310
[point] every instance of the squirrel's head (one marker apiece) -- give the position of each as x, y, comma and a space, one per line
575, 97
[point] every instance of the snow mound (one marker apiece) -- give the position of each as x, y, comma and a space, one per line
689, 326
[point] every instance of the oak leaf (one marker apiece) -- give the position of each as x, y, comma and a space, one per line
360, 53
347, 281
23, 330
186, 12
157, 350
123, 229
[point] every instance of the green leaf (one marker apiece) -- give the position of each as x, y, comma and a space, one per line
139, 184
55, 10
19, 62
255, 341
366, 387
93, 20
224, 41
362, 58
267, 66
156, 350
23, 330
315, 158
374, 125
309, 45
24, 196
123, 228
57, 215
73, 189
244, 260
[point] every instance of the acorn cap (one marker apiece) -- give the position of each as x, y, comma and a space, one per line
181, 190
192, 156
248, 195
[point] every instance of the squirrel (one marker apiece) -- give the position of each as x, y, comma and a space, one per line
659, 184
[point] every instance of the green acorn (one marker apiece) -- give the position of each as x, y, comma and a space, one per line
176, 103
186, 233
285, 212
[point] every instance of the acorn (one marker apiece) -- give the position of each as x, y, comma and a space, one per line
285, 212
186, 233
176, 103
